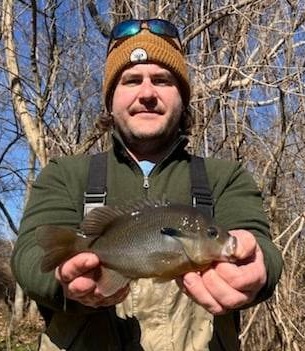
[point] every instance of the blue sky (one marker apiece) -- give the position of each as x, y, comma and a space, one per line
14, 167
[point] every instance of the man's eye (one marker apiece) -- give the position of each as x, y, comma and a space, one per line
132, 82
162, 81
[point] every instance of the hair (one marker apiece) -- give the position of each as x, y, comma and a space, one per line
186, 121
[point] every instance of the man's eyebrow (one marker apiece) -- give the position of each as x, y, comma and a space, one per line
163, 74
154, 75
130, 74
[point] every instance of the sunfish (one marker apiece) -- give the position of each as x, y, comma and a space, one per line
143, 240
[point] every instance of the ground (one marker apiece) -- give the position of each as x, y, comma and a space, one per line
19, 337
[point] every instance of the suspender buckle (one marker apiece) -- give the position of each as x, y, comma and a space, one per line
92, 201
204, 203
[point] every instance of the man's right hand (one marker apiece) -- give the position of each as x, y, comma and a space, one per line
80, 278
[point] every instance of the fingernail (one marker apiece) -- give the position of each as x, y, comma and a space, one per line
189, 279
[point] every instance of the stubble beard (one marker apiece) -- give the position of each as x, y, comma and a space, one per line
149, 144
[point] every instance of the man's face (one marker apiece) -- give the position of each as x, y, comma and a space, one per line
147, 104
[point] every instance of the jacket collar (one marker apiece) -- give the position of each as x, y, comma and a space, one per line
177, 151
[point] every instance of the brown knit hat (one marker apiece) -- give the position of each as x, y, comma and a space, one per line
142, 48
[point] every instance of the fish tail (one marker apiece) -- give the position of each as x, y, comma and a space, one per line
58, 243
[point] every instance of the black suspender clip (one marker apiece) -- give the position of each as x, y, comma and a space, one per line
96, 193
201, 194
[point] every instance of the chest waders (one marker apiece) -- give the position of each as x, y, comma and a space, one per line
95, 196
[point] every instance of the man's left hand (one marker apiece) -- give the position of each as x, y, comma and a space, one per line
225, 285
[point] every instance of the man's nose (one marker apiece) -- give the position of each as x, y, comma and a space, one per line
147, 90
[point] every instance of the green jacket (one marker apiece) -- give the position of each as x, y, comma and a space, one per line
57, 198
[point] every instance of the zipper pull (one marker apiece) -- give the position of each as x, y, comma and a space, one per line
146, 182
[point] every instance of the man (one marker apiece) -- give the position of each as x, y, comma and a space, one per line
147, 92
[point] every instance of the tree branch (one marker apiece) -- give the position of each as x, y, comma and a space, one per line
101, 24
8, 218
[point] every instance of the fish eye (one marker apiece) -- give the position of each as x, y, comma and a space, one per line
213, 232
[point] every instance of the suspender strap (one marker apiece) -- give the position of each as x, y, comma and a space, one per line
201, 193
96, 193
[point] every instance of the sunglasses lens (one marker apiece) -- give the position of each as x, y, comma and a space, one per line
126, 29
162, 27
130, 28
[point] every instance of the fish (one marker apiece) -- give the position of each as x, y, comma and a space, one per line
149, 239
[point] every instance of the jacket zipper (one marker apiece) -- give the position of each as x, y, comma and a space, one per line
146, 184
146, 181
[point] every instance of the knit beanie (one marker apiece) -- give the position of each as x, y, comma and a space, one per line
145, 47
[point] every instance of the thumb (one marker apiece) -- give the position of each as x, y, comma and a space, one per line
246, 243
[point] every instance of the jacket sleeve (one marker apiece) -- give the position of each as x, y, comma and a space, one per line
239, 205
56, 198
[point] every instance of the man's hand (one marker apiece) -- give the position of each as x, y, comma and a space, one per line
80, 277
225, 285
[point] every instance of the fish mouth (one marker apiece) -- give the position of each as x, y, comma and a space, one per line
230, 248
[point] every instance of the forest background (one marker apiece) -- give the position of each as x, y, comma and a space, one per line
246, 60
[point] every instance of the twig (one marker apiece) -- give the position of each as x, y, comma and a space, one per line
296, 233
289, 227
250, 321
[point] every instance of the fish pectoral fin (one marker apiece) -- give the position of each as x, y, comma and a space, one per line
54, 258
111, 282
58, 243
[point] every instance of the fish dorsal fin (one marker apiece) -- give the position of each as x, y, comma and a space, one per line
99, 218
134, 206
111, 282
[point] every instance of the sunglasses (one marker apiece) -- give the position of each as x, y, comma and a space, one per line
132, 27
